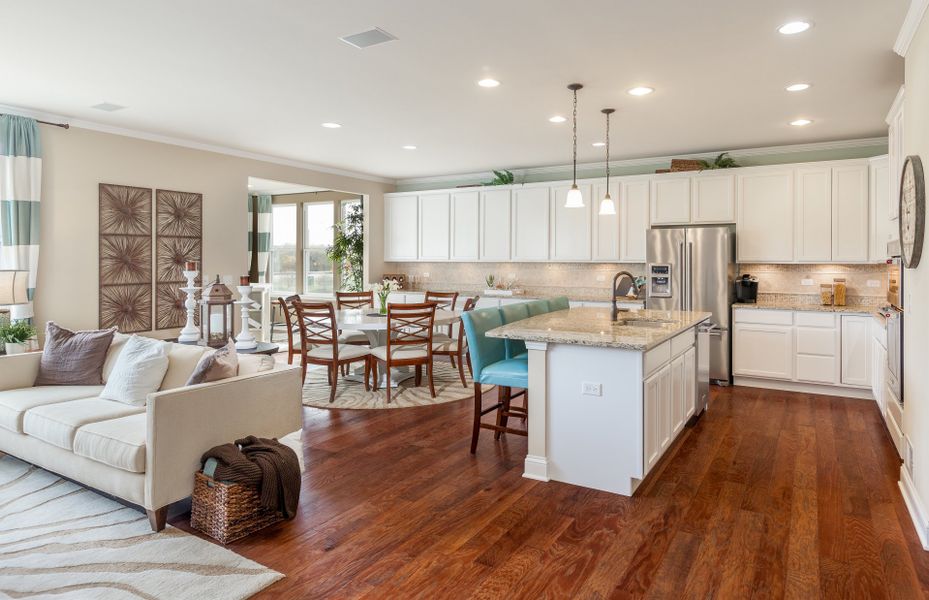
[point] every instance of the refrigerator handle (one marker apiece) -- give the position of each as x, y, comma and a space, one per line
685, 290
690, 275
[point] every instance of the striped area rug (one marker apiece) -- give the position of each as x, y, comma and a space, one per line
61, 540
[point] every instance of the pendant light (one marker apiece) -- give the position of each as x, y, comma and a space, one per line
574, 199
607, 206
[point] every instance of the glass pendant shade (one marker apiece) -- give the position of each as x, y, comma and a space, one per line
607, 206
574, 199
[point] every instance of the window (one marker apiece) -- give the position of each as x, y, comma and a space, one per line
317, 268
284, 247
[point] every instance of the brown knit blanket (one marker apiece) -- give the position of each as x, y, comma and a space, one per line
267, 463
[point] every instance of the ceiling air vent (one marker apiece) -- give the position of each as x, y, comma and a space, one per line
369, 38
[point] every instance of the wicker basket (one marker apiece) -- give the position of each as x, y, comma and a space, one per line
685, 164
228, 511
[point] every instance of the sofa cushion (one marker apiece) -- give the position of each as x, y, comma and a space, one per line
57, 423
116, 347
15, 403
73, 357
213, 366
119, 442
139, 370
182, 360
249, 364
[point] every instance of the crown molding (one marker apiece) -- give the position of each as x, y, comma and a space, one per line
175, 141
914, 17
654, 160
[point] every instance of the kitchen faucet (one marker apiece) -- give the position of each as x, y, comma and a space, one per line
616, 278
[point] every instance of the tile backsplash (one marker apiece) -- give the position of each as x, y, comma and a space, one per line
780, 281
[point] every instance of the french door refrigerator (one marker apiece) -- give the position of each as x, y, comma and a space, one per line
693, 268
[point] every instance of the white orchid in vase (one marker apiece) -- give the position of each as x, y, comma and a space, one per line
383, 290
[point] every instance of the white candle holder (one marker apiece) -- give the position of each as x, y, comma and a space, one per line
190, 334
245, 341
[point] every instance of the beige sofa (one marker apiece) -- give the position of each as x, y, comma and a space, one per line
146, 455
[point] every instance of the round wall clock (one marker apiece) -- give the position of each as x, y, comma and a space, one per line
912, 211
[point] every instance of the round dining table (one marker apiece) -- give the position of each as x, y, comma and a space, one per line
374, 326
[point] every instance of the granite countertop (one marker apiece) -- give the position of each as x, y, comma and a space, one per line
859, 309
574, 295
592, 327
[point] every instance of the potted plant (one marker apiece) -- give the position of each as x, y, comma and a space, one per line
14, 336
383, 290
347, 248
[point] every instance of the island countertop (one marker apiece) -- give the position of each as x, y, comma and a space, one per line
592, 327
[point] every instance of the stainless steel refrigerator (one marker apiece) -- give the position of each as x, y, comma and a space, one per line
693, 268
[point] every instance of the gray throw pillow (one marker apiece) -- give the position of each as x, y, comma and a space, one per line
221, 364
73, 357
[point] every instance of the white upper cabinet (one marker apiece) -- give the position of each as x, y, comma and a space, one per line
434, 226
605, 228
850, 213
670, 202
530, 223
713, 198
633, 219
814, 214
495, 225
466, 230
571, 226
401, 223
882, 228
765, 206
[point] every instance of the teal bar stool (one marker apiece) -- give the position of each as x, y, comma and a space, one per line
512, 313
537, 307
559, 303
492, 367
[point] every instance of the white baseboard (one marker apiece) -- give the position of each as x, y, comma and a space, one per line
804, 388
536, 467
915, 507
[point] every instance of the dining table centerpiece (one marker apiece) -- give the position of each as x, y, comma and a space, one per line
383, 290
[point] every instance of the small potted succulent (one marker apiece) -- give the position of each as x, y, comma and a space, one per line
383, 290
15, 335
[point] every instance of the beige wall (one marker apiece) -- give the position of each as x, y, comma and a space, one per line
75, 161
916, 281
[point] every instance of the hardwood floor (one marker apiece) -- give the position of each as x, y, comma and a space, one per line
772, 494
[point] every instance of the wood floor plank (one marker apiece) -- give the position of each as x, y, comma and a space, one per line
771, 494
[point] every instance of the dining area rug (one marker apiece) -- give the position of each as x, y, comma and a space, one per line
61, 540
352, 394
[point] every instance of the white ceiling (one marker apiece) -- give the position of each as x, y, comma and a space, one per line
262, 76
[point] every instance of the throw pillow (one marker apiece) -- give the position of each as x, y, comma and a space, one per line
216, 365
73, 357
138, 371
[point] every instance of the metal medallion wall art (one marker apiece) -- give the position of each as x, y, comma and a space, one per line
125, 250
179, 238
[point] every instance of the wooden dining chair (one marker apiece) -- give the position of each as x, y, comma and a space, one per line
291, 322
443, 301
354, 300
320, 343
409, 343
457, 347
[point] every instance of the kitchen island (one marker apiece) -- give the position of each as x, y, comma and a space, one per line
606, 399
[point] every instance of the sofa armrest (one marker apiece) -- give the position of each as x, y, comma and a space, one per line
19, 370
184, 423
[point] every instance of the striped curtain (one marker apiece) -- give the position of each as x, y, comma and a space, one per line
20, 190
259, 255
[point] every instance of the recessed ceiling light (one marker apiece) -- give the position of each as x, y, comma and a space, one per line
598, 144
794, 27
488, 83
640, 91
331, 125
409, 147
800, 122
557, 119
108, 107
797, 87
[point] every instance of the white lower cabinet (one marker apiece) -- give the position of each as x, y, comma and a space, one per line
878, 366
690, 383
677, 395
856, 350
657, 425
761, 350
670, 392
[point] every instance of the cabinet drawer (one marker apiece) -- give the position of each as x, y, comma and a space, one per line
764, 317
815, 319
816, 369
680, 343
817, 341
656, 358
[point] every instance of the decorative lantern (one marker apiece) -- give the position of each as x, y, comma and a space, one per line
216, 317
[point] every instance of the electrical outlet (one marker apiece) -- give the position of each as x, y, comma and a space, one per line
874, 283
591, 389
426, 275
601, 277
806, 282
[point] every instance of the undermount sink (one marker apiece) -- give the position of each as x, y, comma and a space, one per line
643, 323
